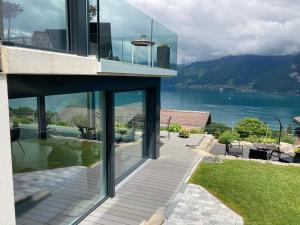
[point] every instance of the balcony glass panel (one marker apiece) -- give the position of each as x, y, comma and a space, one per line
126, 36
165, 49
121, 24
42, 24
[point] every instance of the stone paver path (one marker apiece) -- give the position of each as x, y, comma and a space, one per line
196, 206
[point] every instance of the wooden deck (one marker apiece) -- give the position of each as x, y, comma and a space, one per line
151, 188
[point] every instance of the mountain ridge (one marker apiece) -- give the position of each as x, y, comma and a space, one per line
242, 73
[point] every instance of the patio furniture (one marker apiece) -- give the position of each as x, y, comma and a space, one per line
14, 137
87, 132
234, 150
258, 154
142, 41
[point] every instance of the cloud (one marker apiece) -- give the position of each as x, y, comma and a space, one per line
211, 29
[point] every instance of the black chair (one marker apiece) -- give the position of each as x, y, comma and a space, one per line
234, 150
14, 137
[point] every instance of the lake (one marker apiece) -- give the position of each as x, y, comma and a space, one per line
229, 107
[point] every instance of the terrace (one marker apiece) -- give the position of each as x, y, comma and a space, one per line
119, 40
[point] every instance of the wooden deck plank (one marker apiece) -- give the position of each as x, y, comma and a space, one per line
151, 188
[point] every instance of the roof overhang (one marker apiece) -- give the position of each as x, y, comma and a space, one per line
297, 120
17, 60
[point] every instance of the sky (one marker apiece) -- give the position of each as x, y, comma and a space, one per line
210, 29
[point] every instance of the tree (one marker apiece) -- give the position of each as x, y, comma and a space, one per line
10, 11
92, 11
251, 127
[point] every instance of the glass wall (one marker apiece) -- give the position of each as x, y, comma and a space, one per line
41, 24
59, 177
129, 130
121, 24
165, 49
128, 35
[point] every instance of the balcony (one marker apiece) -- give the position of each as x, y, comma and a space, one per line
113, 37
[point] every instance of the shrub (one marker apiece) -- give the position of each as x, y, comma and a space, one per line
62, 123
61, 156
197, 131
297, 150
288, 139
252, 139
216, 129
251, 127
175, 127
267, 140
184, 133
87, 156
228, 136
163, 129
22, 120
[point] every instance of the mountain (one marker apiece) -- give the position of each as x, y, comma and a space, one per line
244, 73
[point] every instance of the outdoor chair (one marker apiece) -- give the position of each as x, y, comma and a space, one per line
234, 150
14, 137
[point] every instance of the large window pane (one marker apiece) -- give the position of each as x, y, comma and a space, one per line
42, 24
129, 130
59, 177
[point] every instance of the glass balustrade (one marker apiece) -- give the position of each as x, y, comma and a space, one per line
128, 35
116, 30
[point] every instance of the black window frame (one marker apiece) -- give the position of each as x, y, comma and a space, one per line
21, 86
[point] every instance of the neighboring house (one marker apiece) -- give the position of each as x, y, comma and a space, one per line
79, 103
187, 119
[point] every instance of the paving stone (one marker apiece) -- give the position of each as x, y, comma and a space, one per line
198, 207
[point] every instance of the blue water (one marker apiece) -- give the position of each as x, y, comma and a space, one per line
229, 107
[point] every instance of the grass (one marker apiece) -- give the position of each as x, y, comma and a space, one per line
263, 194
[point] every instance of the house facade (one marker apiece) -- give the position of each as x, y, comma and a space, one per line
79, 103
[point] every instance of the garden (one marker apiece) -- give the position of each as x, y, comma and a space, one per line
251, 130
262, 193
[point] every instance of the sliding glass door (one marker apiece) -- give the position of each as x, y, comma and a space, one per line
130, 117
58, 151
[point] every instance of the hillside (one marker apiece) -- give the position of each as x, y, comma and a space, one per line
245, 73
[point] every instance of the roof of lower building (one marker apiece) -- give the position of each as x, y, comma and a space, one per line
188, 119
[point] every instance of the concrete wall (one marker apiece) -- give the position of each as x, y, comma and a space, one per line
16, 60
7, 210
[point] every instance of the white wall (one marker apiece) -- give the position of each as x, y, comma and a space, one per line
7, 210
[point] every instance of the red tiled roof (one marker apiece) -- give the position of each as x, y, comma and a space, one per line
188, 119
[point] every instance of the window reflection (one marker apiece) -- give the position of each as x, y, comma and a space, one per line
129, 130
59, 176
41, 24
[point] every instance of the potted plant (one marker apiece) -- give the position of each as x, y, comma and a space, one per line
184, 133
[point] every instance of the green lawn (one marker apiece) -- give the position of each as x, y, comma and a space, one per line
262, 194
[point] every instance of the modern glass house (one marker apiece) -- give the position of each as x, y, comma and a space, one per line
79, 103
